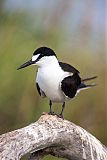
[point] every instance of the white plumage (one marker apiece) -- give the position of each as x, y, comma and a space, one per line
56, 80
49, 77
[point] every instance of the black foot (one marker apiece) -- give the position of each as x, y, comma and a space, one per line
51, 113
60, 116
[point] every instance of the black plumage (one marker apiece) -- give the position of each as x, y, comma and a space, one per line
70, 85
68, 68
38, 88
44, 51
41, 93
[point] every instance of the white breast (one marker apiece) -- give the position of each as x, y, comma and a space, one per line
49, 78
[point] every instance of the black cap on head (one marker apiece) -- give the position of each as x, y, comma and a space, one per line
44, 51
41, 52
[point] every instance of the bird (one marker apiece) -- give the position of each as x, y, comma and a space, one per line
56, 80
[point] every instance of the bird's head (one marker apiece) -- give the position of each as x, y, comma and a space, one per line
41, 57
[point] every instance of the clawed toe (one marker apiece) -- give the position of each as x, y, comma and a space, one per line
54, 114
60, 116
51, 113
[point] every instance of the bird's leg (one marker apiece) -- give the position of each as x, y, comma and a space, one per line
61, 114
50, 104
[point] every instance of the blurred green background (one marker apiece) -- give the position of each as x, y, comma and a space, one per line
75, 30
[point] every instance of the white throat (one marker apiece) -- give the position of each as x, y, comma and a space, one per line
47, 61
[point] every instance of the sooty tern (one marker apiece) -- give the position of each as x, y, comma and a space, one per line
56, 80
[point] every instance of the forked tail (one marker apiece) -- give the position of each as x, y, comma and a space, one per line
88, 79
86, 86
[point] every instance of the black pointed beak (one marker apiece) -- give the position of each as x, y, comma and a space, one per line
28, 63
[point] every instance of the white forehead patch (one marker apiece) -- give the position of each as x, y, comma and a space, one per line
35, 57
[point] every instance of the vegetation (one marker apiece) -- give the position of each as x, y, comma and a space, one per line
82, 45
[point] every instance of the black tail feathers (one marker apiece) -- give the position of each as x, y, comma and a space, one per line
88, 79
85, 86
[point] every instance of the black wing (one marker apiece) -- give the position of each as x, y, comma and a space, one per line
69, 85
68, 68
41, 93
